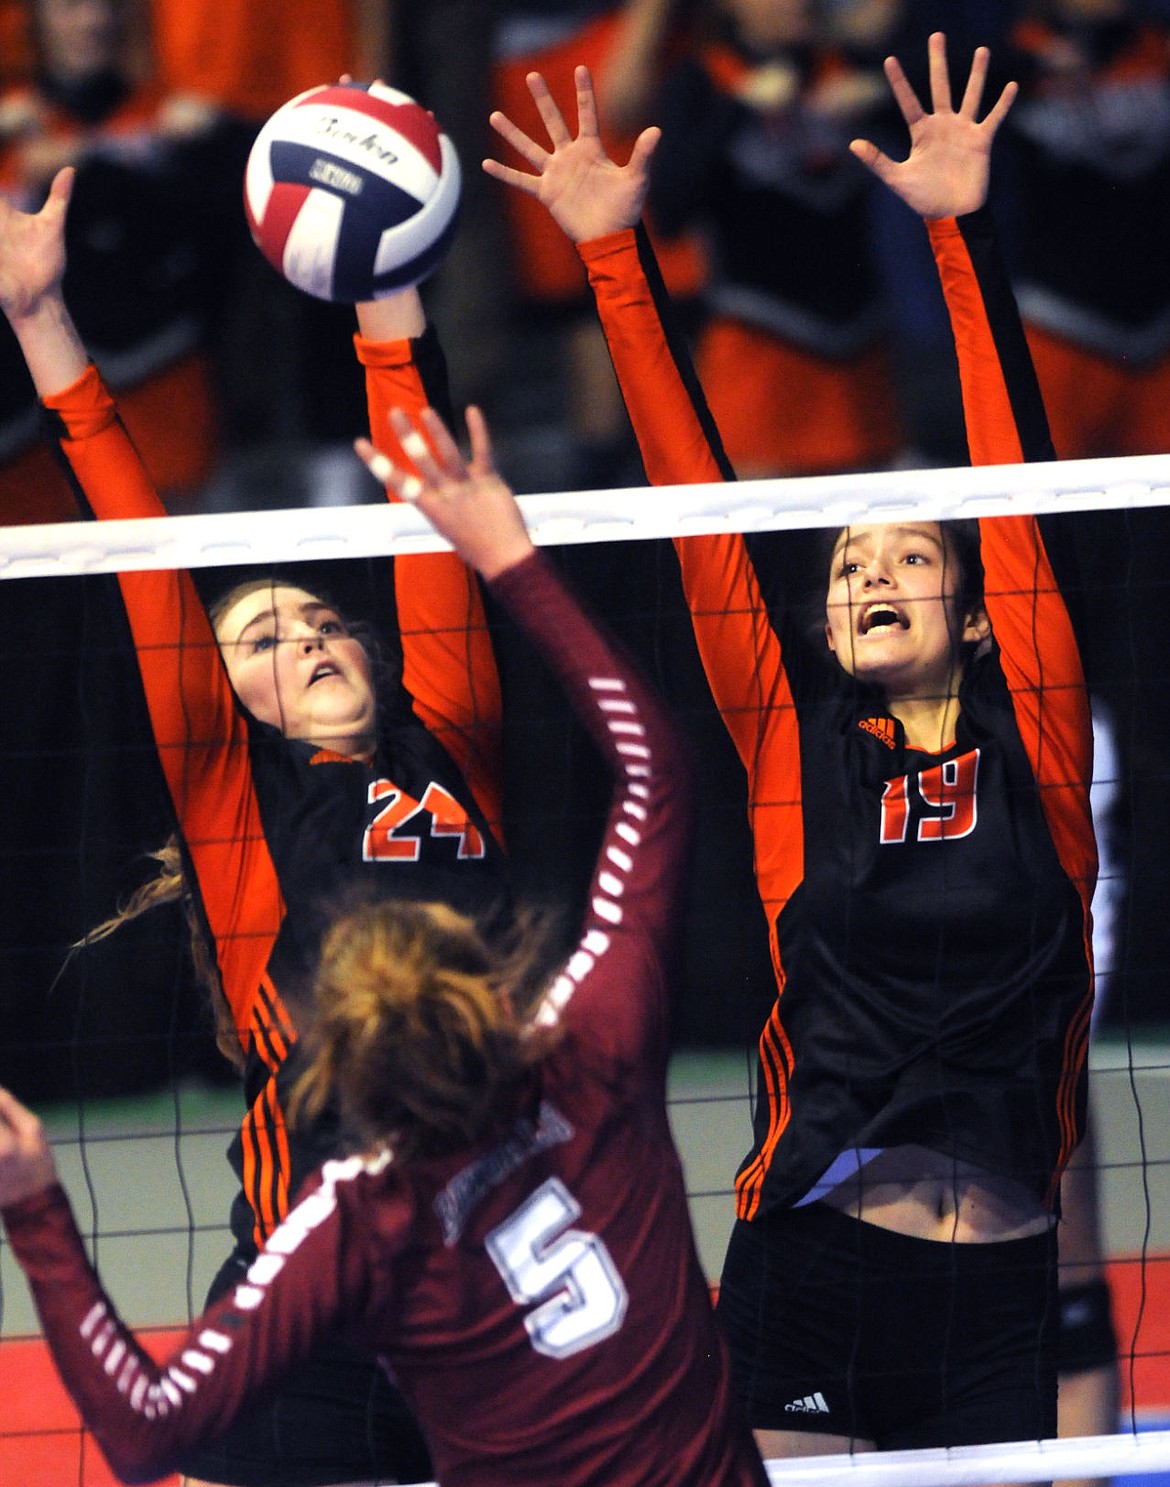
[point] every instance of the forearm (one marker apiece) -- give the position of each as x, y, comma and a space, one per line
51, 346
1002, 406
676, 434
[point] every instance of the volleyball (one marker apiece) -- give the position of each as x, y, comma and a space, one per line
351, 191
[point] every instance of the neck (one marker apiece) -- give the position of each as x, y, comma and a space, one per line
347, 746
928, 722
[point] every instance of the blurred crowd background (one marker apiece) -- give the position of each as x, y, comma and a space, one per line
810, 298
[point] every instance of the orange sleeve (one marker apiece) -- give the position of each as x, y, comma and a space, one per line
739, 648
1038, 650
449, 665
199, 732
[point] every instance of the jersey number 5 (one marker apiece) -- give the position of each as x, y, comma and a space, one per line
569, 1272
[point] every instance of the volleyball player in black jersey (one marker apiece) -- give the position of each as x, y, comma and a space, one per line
292, 775
923, 850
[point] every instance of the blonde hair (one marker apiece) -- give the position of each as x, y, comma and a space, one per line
419, 1028
169, 885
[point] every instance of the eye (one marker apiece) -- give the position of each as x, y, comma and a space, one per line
916, 558
332, 626
262, 643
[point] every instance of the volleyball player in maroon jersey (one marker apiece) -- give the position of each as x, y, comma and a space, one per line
923, 851
512, 1238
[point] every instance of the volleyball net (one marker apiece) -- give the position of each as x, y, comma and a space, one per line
78, 824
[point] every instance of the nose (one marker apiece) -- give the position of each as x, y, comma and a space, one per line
310, 640
877, 573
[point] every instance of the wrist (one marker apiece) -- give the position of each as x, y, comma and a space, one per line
49, 340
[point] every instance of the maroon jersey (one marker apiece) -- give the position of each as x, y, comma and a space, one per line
538, 1298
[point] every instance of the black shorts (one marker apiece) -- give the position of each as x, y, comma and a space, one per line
337, 1418
845, 1328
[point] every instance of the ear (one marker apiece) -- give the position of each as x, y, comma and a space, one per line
829, 637
977, 626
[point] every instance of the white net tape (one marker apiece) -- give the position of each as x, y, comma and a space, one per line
974, 1466
590, 516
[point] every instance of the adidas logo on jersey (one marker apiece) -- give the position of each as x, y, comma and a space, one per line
811, 1404
881, 728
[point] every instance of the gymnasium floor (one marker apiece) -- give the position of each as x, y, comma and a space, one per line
151, 1179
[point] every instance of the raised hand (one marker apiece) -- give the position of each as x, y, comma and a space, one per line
32, 250
947, 170
587, 193
465, 501
26, 1160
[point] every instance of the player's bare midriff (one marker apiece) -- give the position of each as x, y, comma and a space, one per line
913, 1190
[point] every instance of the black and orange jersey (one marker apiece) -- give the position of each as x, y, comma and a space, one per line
275, 830
929, 913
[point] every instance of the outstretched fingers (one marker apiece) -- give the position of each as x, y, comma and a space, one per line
524, 145
874, 159
977, 79
1002, 104
546, 106
586, 103
482, 458
442, 460
60, 191
940, 77
904, 95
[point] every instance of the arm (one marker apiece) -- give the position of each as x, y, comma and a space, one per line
449, 666
145, 1415
199, 733
598, 204
945, 179
631, 922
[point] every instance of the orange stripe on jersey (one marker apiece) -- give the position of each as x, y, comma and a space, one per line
257, 1161
1076, 1050
266, 1161
741, 656
674, 443
776, 1064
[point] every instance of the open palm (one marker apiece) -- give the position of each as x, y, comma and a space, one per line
587, 193
946, 172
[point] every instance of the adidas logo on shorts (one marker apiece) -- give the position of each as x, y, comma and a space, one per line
811, 1404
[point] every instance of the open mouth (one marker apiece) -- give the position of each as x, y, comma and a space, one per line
882, 616
323, 670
